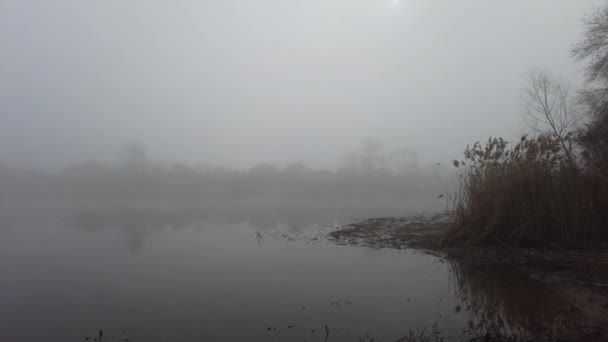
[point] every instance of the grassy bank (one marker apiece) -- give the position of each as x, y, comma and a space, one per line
528, 194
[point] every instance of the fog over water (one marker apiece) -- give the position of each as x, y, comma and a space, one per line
152, 272
236, 83
172, 170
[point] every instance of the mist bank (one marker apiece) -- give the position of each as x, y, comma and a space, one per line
368, 172
95, 180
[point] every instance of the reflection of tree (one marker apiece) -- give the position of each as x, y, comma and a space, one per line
136, 221
500, 300
134, 224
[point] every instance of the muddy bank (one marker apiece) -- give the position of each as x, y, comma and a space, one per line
576, 278
422, 232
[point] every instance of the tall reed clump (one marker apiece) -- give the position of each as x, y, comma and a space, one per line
529, 194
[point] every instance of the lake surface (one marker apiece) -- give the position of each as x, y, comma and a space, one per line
172, 274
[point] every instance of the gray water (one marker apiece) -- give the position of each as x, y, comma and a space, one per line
170, 273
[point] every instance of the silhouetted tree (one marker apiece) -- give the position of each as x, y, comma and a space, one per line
550, 110
404, 161
134, 156
594, 49
368, 158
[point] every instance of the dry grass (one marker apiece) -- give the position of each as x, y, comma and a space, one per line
528, 194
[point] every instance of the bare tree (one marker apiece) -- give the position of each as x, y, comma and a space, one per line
134, 156
594, 45
368, 158
594, 49
550, 110
404, 160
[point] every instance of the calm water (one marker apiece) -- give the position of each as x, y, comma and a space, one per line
173, 274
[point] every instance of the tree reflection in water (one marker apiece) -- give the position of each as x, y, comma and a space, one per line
501, 300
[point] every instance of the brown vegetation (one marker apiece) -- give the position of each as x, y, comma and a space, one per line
527, 194
552, 188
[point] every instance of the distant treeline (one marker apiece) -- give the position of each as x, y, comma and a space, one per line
369, 172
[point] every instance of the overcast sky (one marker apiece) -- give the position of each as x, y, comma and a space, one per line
234, 83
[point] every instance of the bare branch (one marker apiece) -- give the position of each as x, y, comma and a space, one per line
549, 109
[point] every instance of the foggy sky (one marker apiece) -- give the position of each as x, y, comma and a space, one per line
234, 83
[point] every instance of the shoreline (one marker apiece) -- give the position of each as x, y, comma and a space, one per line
577, 275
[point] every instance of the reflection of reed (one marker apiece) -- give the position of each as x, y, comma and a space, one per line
500, 300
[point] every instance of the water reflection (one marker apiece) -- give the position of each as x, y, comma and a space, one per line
136, 225
230, 273
137, 220
501, 300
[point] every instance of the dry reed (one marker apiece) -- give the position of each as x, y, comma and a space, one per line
528, 194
